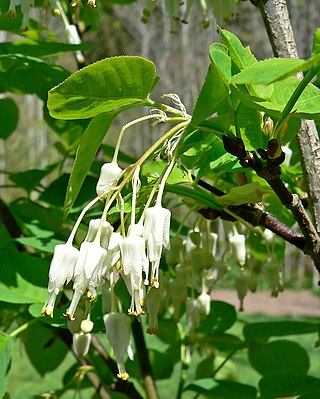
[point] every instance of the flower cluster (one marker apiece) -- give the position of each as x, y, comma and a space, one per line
55, 6
103, 257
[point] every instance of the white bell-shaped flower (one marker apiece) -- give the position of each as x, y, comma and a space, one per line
91, 256
81, 343
157, 231
109, 174
106, 232
118, 327
61, 272
238, 247
134, 259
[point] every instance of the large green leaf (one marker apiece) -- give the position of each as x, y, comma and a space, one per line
5, 360
285, 385
280, 356
40, 49
264, 330
272, 70
316, 43
9, 115
108, 85
88, 147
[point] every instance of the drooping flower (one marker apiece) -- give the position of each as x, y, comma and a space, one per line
118, 327
157, 235
134, 262
204, 302
61, 272
106, 231
81, 343
90, 258
238, 247
109, 174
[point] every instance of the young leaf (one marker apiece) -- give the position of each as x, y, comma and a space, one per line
88, 147
240, 55
272, 70
108, 85
5, 361
307, 106
212, 94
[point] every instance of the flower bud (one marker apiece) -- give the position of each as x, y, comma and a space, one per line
86, 326
109, 174
204, 302
242, 286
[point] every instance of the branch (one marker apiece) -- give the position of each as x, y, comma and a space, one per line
269, 169
277, 22
144, 362
255, 215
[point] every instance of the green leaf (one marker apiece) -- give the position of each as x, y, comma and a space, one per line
285, 385
30, 179
45, 349
40, 49
222, 316
9, 116
240, 55
307, 106
213, 93
311, 395
112, 84
221, 61
5, 361
87, 149
280, 356
264, 330
239, 195
21, 278
272, 70
219, 389
24, 74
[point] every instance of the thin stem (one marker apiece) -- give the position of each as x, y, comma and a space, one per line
295, 97
22, 328
135, 184
125, 127
226, 359
76, 226
163, 181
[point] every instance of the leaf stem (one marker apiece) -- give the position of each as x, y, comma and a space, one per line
295, 96
24, 327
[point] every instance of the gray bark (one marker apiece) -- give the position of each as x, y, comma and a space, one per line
277, 21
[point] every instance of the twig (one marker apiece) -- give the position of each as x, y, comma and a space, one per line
144, 362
